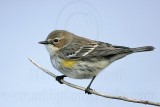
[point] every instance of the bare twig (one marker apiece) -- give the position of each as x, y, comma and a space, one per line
97, 93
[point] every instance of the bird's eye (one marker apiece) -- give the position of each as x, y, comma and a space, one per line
56, 40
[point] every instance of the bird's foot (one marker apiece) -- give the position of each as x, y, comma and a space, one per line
60, 78
88, 90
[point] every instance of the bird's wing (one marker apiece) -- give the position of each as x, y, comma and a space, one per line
77, 50
92, 49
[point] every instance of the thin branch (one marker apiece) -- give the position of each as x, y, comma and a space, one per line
97, 93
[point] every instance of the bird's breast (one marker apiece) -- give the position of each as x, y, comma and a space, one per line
78, 69
68, 63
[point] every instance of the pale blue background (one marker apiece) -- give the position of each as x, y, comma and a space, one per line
23, 23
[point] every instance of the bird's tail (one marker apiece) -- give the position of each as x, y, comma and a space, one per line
141, 49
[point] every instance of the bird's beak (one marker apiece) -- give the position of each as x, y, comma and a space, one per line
43, 42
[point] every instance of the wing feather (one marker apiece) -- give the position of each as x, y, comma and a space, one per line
92, 49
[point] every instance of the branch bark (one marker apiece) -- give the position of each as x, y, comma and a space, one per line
97, 93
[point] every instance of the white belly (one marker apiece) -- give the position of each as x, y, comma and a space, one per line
81, 70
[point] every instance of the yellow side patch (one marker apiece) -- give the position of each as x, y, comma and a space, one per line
68, 63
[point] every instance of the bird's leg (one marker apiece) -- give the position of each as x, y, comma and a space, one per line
59, 78
88, 87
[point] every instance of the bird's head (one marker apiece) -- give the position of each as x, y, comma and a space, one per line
57, 40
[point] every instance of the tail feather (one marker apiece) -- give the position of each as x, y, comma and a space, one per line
141, 49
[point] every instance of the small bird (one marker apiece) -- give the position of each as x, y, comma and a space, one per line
81, 58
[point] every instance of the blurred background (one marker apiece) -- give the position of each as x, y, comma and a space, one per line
23, 23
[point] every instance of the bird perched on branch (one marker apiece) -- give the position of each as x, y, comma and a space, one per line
81, 58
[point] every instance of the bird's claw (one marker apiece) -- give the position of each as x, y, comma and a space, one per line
88, 90
60, 78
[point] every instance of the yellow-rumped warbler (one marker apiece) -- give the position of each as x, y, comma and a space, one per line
82, 58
